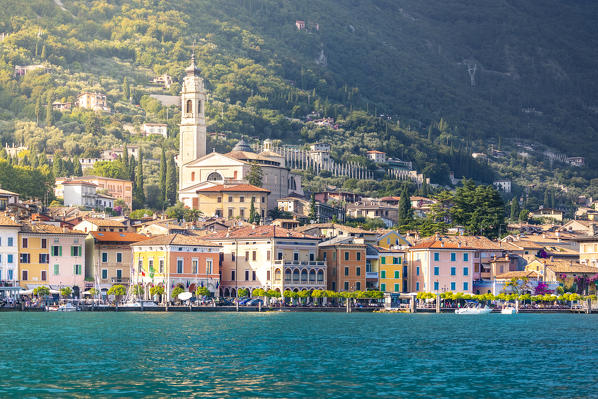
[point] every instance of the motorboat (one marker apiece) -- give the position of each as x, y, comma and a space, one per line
473, 308
67, 307
508, 310
139, 303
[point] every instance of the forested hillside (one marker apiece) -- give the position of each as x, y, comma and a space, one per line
393, 74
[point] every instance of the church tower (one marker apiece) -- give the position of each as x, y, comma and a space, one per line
192, 137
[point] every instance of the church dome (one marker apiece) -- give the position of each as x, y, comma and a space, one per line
192, 70
242, 145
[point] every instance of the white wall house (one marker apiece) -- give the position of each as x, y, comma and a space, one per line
9, 252
79, 193
155, 128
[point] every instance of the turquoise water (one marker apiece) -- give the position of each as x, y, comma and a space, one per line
287, 355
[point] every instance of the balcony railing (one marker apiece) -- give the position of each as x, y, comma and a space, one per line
9, 283
299, 263
371, 275
120, 280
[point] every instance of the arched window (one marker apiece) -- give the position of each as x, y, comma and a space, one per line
304, 276
320, 275
312, 276
287, 276
215, 176
292, 184
296, 275
189, 107
277, 275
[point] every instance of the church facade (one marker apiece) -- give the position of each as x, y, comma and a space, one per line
198, 170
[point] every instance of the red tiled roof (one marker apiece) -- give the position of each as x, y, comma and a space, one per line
457, 242
104, 222
230, 189
79, 182
114, 236
258, 232
176, 239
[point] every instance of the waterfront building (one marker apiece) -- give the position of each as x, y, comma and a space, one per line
269, 257
52, 256
441, 263
109, 259
393, 270
9, 253
173, 260
346, 261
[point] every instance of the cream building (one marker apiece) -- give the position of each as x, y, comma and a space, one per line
199, 170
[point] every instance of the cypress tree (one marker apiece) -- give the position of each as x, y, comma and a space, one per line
171, 181
515, 209
77, 170
405, 211
163, 174
38, 109
546, 199
126, 89
252, 211
49, 115
139, 193
313, 215
126, 157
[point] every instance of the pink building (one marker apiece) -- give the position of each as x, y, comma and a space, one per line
442, 263
67, 261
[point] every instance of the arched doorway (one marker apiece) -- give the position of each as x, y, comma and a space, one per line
76, 292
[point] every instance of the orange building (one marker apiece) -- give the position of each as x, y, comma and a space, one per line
346, 265
117, 188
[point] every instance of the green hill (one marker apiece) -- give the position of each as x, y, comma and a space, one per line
394, 74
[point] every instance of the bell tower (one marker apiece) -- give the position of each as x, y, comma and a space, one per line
192, 137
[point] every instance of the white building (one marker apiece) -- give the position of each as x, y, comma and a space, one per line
155, 128
9, 254
576, 161
79, 193
503, 185
377, 156
93, 101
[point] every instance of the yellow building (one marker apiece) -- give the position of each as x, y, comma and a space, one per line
588, 250
232, 201
390, 238
393, 271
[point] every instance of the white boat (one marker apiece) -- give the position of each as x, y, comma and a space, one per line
138, 303
508, 310
67, 307
473, 308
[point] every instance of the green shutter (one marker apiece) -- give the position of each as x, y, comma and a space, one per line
60, 250
80, 250
382, 287
383, 260
383, 274
56, 270
72, 251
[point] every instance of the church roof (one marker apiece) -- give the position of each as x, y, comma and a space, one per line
242, 145
192, 70
241, 188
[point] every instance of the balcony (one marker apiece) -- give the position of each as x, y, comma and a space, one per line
371, 275
306, 263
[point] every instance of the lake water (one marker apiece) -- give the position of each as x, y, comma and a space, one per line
287, 355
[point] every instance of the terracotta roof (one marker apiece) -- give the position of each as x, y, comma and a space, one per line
91, 177
568, 267
349, 229
104, 222
6, 221
47, 228
176, 239
457, 242
78, 182
114, 236
258, 232
239, 188
517, 274
375, 152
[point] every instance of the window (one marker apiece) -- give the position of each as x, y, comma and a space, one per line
436, 270
465, 257
104, 257
139, 265
246, 275
395, 261
382, 287
219, 200
417, 286
56, 270
453, 271
10, 275
194, 266
44, 276
253, 275
465, 286
9, 258
25, 243
383, 274
279, 256
230, 213
44, 258
119, 257
246, 256
242, 213
104, 274
346, 271
435, 285
263, 199
404, 271
76, 250
358, 286
358, 271
161, 265
77, 270
358, 255
400, 260
268, 255
436, 256
453, 257
44, 243
346, 255
397, 275
312, 257
241, 198
417, 271
346, 286
179, 266
56, 250
254, 255
25, 275
232, 275
397, 288
324, 255
383, 260
189, 107
453, 286
230, 198
209, 265
466, 271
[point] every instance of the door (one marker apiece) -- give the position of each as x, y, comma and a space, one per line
119, 275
